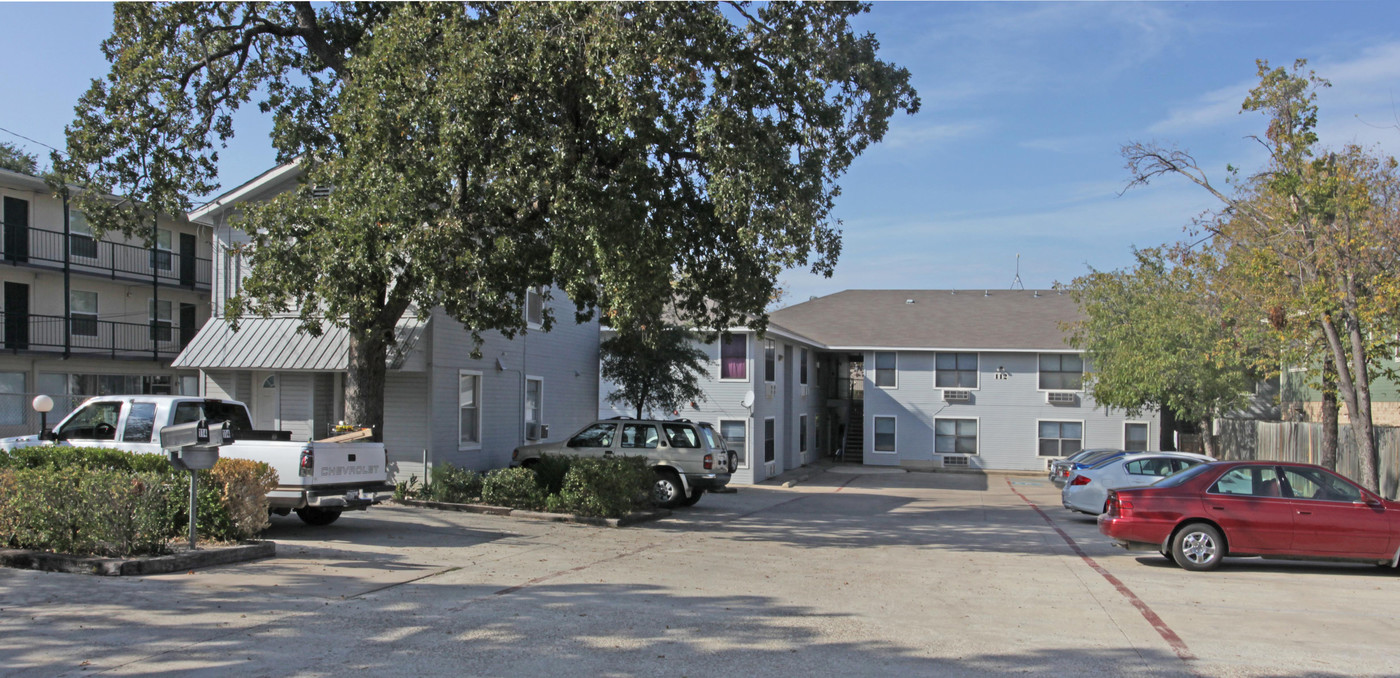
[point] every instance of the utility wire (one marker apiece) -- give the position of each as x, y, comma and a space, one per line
32, 141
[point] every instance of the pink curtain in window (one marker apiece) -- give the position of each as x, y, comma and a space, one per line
732, 357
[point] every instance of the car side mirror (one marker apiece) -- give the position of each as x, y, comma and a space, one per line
1371, 500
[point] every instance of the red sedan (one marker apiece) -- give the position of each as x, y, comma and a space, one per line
1255, 508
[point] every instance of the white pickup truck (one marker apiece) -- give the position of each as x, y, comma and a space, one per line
318, 480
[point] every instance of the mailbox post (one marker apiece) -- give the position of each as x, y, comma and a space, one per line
193, 447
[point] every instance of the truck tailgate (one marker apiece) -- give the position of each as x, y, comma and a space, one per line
346, 464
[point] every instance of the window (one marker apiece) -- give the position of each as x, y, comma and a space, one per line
534, 407
597, 435
885, 363
1160, 466
1135, 436
770, 361
955, 436
1308, 483
734, 357
1061, 372
736, 432
468, 409
802, 371
768, 434
161, 258
1255, 481
97, 421
83, 314
236, 415
955, 370
1061, 438
534, 308
639, 436
802, 433
682, 436
160, 318
140, 423
81, 244
13, 406
884, 434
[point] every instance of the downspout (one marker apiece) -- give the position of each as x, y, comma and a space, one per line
67, 282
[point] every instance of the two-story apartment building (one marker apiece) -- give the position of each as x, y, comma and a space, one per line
87, 316
441, 405
922, 379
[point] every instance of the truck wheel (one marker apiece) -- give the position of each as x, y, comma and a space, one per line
318, 517
667, 491
694, 497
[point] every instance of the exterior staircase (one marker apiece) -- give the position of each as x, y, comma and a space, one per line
854, 446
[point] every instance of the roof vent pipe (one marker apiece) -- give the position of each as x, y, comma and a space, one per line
986, 293
1036, 294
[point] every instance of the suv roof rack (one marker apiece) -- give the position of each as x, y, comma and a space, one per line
682, 420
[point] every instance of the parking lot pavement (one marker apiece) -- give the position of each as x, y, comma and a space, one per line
910, 574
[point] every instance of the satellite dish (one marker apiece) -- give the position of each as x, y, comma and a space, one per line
748, 400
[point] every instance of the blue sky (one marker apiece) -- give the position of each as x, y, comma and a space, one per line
1016, 150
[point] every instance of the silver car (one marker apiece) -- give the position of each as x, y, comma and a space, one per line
1087, 489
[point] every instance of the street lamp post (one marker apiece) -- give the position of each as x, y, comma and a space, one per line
43, 404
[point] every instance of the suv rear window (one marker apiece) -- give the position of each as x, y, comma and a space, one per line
680, 435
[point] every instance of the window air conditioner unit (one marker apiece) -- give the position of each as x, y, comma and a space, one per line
532, 431
950, 396
1060, 397
955, 462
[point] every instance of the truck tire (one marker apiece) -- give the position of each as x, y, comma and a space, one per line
318, 517
667, 491
694, 497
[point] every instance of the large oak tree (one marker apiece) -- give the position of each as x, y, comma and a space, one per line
629, 155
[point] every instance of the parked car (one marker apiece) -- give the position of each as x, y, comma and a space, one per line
1061, 468
687, 458
1087, 489
1255, 508
318, 480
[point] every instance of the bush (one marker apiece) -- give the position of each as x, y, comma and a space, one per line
63, 456
550, 472
608, 487
513, 487
242, 488
454, 485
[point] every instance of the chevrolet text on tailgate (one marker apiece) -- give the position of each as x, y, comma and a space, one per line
318, 480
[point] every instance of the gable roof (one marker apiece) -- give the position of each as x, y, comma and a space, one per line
992, 320
277, 344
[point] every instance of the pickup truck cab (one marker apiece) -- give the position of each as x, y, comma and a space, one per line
686, 458
318, 480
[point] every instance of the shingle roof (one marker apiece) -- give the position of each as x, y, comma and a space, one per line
936, 319
275, 344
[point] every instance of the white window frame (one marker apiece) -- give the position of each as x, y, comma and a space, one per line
1083, 434
802, 433
153, 313
746, 456
79, 227
874, 432
525, 407
770, 347
461, 446
719, 371
1082, 370
168, 248
96, 314
875, 371
979, 435
1128, 422
535, 291
977, 372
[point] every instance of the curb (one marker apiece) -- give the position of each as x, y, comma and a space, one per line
128, 567
624, 521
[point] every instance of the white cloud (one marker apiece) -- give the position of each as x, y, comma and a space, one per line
903, 137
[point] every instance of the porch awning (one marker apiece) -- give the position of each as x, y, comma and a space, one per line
275, 344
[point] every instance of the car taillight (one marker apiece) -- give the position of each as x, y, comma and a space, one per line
308, 462
1080, 480
709, 461
1117, 506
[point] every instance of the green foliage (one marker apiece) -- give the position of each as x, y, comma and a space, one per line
407, 489
64, 456
632, 156
15, 159
550, 471
608, 487
453, 485
513, 487
655, 367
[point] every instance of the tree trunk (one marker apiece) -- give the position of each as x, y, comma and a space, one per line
1355, 389
1208, 438
1329, 413
364, 383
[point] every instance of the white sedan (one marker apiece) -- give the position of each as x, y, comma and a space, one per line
1086, 490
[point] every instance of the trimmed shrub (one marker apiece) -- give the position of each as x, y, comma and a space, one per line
63, 456
454, 485
513, 487
242, 487
608, 487
550, 472
88, 512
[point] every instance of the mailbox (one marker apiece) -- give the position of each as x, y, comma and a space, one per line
192, 447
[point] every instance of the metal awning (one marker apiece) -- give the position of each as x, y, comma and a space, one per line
276, 344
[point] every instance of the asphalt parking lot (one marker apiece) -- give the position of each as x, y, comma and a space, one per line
898, 574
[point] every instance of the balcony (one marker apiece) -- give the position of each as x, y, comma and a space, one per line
87, 336
24, 245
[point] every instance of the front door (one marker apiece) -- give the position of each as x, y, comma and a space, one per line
187, 259
16, 230
1332, 519
16, 316
1249, 504
265, 401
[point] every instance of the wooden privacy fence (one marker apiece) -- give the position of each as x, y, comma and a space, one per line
1302, 442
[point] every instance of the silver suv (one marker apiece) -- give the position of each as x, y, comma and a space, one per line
687, 458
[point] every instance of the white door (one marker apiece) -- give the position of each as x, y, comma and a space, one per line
265, 401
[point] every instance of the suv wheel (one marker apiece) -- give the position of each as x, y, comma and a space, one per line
667, 491
733, 461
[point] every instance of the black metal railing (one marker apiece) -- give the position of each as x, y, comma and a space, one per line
43, 247
86, 335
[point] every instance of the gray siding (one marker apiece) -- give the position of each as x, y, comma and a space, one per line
1008, 412
220, 385
323, 417
406, 422
295, 403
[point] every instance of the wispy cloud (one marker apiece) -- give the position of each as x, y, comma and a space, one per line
914, 134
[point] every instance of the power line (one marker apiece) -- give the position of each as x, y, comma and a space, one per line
32, 141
